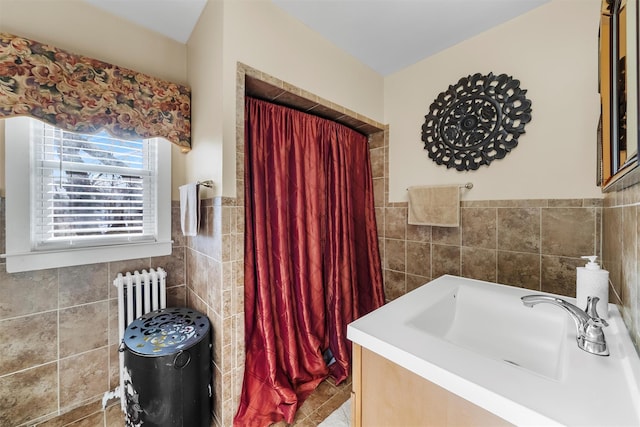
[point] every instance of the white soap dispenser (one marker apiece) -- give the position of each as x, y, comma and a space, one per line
592, 281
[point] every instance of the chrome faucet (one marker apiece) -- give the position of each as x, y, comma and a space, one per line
589, 325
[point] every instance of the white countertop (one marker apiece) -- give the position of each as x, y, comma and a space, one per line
589, 390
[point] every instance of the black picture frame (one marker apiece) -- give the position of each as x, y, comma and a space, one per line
617, 143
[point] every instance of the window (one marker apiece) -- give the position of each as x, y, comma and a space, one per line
78, 198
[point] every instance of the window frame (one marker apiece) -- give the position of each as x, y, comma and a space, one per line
19, 178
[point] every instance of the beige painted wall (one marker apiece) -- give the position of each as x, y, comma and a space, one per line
204, 53
552, 50
260, 35
555, 158
83, 29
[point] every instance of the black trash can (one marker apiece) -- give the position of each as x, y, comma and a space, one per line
167, 369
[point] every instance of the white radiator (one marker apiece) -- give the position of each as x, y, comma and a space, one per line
138, 294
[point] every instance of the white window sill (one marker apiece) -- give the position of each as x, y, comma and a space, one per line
52, 259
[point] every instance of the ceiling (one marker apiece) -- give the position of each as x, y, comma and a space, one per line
387, 35
173, 18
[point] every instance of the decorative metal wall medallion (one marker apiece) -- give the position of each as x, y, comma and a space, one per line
475, 121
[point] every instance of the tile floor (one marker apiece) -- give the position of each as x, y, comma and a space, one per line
323, 401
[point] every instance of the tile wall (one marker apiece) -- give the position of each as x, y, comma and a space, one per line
621, 230
59, 333
533, 244
214, 269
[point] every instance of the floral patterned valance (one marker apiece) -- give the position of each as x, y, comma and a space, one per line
84, 95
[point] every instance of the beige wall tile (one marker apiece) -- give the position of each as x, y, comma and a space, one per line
217, 338
114, 366
83, 328
395, 284
84, 376
519, 269
178, 238
380, 221
597, 203
238, 247
479, 263
446, 235
519, 229
214, 297
558, 275
379, 192
414, 282
418, 258
376, 140
28, 341
75, 415
197, 303
176, 296
612, 246
240, 219
198, 266
227, 248
129, 265
83, 284
566, 203
634, 291
396, 250
96, 419
568, 232
479, 227
395, 223
445, 260
88, 322
519, 203
620, 246
629, 277
377, 162
3, 226
419, 233
174, 266
114, 416
29, 394
28, 292
477, 203
217, 393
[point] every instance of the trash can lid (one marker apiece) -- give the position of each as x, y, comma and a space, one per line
166, 331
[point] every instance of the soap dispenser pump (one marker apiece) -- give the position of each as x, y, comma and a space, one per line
592, 281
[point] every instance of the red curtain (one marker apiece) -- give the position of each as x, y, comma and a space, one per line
312, 263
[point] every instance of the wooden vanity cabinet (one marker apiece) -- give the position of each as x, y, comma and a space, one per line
386, 394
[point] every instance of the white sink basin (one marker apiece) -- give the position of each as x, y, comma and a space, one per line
477, 340
497, 325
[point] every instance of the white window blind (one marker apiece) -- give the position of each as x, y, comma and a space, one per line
77, 199
90, 190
